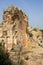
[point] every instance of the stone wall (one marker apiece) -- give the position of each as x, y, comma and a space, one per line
14, 19
20, 40
15, 26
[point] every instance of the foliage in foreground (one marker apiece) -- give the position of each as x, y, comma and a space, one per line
4, 57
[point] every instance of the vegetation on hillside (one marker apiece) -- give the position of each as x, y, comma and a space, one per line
4, 57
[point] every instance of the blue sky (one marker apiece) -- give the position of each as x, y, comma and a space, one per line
33, 9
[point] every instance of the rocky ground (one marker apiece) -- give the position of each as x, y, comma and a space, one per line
35, 57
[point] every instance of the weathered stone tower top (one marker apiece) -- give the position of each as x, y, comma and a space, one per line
15, 15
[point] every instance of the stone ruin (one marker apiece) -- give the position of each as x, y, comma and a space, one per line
17, 36
14, 27
13, 33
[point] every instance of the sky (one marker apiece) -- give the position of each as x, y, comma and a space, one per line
32, 8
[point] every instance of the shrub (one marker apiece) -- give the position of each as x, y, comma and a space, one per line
4, 58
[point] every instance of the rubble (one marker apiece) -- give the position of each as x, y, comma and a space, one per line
19, 38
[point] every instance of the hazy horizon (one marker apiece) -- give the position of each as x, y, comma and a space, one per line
32, 8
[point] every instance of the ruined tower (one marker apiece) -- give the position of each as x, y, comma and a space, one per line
15, 23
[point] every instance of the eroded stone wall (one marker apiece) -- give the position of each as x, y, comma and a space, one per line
14, 20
